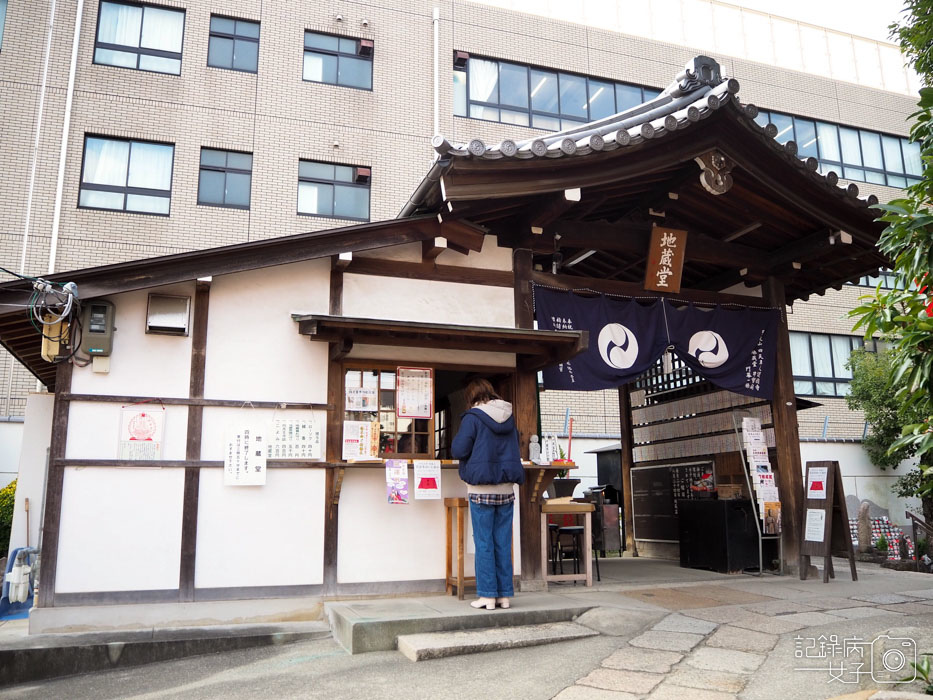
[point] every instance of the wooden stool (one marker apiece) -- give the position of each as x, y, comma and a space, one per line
584, 509
458, 580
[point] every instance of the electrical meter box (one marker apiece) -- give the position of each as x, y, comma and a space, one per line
97, 328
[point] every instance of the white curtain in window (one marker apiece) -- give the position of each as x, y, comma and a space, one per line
842, 346
822, 358
800, 354
105, 162
484, 79
162, 29
119, 24
151, 166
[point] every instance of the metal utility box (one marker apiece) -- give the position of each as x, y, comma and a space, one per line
97, 328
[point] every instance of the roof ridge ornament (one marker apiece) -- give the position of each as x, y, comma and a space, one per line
698, 72
715, 172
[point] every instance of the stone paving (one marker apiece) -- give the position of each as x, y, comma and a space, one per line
716, 638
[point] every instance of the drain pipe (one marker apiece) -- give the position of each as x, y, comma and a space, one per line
69, 99
437, 77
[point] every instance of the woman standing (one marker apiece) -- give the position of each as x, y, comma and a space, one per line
490, 463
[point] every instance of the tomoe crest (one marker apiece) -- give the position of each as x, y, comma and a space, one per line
617, 346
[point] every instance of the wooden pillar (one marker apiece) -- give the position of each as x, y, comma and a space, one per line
189, 522
786, 436
526, 421
627, 444
332, 454
53, 488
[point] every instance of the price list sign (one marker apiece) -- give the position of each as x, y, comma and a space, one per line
295, 439
415, 392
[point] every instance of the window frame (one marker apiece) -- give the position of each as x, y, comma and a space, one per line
126, 189
234, 38
225, 169
840, 166
4, 6
139, 50
334, 183
566, 121
855, 342
327, 52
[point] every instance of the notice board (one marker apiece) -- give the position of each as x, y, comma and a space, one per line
655, 492
825, 528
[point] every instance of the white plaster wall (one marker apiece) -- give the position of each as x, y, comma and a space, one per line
33, 465
216, 419
254, 350
861, 478
120, 529
94, 430
270, 535
377, 541
11, 441
142, 364
367, 296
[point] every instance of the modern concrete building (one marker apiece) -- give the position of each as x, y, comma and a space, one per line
139, 130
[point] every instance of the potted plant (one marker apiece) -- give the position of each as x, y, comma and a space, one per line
562, 486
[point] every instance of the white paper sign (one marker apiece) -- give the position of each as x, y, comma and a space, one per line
815, 526
362, 398
295, 439
141, 432
754, 437
414, 392
816, 482
427, 479
757, 455
766, 488
245, 454
749, 424
360, 440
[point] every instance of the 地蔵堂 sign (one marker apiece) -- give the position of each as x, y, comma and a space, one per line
665, 259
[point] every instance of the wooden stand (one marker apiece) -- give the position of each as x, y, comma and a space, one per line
836, 536
459, 580
584, 509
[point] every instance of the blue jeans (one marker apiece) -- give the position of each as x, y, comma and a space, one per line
492, 535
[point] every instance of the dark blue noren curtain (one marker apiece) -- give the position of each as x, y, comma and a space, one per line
626, 338
734, 349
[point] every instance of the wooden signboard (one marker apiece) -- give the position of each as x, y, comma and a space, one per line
665, 259
825, 528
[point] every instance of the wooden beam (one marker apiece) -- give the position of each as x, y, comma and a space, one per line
786, 436
179, 401
636, 289
627, 445
431, 248
556, 206
189, 522
333, 453
336, 289
430, 271
462, 236
342, 260
51, 524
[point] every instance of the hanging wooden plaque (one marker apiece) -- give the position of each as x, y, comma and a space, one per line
665, 259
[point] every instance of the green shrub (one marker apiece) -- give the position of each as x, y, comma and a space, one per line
881, 544
7, 499
922, 547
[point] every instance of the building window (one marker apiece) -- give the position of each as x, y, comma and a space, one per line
512, 93
820, 362
133, 176
225, 178
338, 60
885, 277
398, 437
234, 44
2, 20
326, 189
139, 36
854, 154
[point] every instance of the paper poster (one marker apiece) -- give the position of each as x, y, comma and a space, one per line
360, 440
815, 526
141, 432
772, 518
766, 488
245, 454
816, 482
362, 398
397, 481
754, 437
427, 479
295, 439
414, 397
757, 455
750, 424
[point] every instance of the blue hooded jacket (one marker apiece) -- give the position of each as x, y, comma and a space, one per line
488, 449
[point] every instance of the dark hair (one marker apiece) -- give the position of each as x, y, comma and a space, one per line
479, 391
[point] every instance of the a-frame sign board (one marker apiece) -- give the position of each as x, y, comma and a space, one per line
825, 527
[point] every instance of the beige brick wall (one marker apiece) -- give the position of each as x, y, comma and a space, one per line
281, 119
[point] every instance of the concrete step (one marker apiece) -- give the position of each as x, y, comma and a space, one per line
375, 625
436, 645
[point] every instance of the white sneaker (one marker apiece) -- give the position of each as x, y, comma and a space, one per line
488, 603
